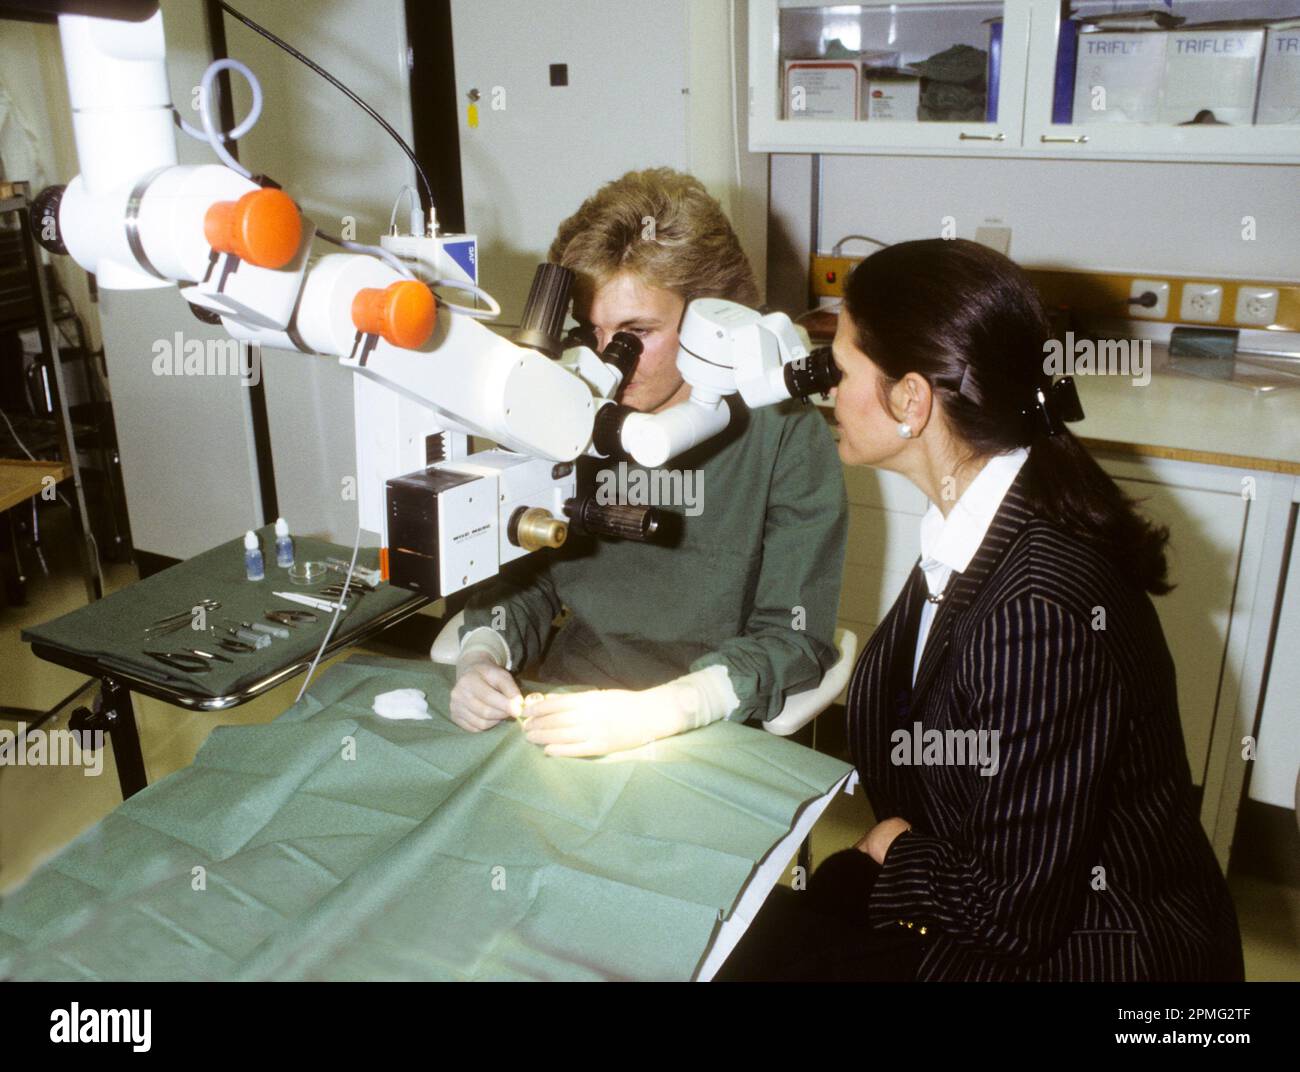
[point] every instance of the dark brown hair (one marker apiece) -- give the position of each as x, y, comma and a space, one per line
970, 322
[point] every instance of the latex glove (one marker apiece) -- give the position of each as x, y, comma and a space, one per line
600, 721
484, 689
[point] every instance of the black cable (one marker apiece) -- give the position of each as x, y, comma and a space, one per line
427, 198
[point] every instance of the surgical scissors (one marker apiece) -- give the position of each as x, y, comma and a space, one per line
173, 622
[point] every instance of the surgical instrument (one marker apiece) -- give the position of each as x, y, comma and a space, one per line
270, 630
340, 565
211, 656
181, 661
179, 620
335, 591
290, 617
248, 636
356, 582
310, 601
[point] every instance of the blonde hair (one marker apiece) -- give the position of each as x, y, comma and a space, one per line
665, 228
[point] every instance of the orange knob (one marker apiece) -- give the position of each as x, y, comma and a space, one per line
403, 313
263, 227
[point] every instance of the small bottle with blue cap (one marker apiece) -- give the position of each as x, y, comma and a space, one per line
254, 567
283, 544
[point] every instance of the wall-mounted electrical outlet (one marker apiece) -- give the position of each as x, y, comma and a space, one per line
1256, 306
1202, 302
1159, 288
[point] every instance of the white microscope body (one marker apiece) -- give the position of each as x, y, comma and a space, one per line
426, 376
724, 348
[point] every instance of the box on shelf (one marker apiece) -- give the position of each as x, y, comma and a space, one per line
1212, 73
1279, 84
822, 89
890, 93
1118, 75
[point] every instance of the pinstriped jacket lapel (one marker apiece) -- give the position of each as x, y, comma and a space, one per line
1012, 515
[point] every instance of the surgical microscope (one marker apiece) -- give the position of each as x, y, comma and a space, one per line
427, 372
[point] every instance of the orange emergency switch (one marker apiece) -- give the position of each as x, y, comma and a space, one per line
403, 313
263, 228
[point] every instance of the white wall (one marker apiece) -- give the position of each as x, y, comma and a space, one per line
1171, 218
719, 123
649, 85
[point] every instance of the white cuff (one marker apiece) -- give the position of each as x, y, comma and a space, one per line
703, 697
486, 641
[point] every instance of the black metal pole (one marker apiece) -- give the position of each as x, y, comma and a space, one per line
50, 344
256, 391
120, 716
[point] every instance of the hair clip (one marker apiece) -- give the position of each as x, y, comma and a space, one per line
1055, 405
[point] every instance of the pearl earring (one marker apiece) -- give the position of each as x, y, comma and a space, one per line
904, 431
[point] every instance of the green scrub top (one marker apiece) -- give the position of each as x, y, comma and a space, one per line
751, 581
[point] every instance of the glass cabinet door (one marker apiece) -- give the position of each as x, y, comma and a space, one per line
880, 76
1184, 79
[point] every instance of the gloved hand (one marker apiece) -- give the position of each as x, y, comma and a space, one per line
600, 721
484, 689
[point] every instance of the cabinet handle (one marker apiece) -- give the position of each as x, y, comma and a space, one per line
983, 137
1073, 139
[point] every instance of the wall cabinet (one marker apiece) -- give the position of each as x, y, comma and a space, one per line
1023, 78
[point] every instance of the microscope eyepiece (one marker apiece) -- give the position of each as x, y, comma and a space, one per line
607, 431
623, 352
815, 374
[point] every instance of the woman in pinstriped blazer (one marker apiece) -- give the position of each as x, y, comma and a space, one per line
1014, 719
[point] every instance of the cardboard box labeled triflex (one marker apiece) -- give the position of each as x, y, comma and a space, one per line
1212, 73
1279, 84
1118, 75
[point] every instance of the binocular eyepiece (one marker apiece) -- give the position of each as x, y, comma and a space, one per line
815, 374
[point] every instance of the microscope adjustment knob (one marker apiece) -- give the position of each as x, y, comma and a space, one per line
45, 219
263, 228
403, 313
